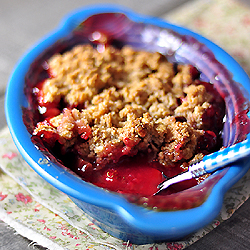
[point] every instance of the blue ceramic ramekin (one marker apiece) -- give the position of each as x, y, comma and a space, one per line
112, 212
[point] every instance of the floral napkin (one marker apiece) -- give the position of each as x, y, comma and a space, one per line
45, 215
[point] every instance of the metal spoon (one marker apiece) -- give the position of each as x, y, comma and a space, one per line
210, 163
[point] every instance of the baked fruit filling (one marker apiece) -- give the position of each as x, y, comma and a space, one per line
122, 119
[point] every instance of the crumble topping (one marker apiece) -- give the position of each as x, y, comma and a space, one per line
121, 102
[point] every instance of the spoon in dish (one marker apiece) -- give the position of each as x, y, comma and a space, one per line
210, 163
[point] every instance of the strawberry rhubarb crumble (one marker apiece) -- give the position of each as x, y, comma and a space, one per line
119, 118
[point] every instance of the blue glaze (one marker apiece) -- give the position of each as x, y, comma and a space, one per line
112, 212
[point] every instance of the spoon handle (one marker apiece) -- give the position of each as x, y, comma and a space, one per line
221, 158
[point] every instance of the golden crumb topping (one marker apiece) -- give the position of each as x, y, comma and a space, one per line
120, 102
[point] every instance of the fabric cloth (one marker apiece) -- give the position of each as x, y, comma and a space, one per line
45, 215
